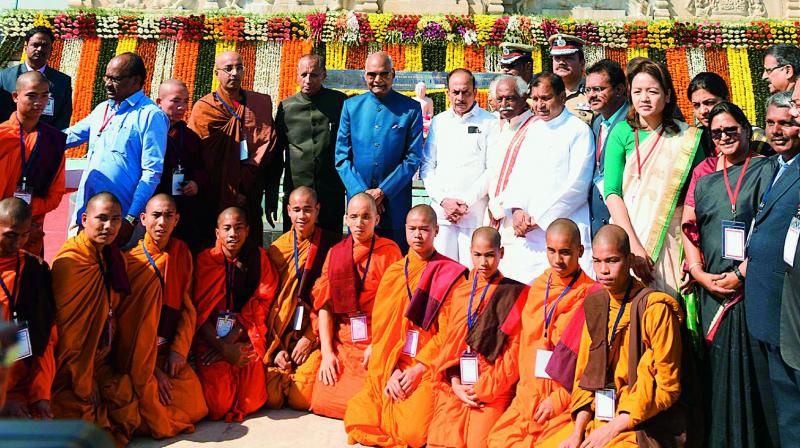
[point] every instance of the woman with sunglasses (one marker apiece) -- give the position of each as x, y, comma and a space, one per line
720, 205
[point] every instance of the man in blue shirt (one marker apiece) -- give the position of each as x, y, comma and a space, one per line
127, 138
379, 146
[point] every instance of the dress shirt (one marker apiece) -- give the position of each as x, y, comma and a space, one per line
30, 69
782, 167
126, 156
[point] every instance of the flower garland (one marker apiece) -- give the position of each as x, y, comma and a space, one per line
291, 52
56, 54
70, 59
247, 50
741, 91
397, 54
108, 27
315, 23
434, 57
593, 53
378, 24
636, 52
108, 49
335, 56
356, 56
474, 58
679, 69
185, 63
537, 56
483, 28
696, 60
413, 57
620, 55
126, 44
717, 62
162, 67
16, 25
491, 57
83, 88
204, 77
221, 47
268, 69
9, 46
148, 27
147, 50
455, 57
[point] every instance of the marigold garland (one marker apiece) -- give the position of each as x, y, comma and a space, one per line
126, 44
755, 58
83, 89
55, 54
455, 56
185, 64
291, 52
356, 56
70, 59
679, 69
717, 62
537, 56
335, 56
620, 55
220, 47
413, 57
636, 52
147, 50
204, 76
164, 57
473, 58
741, 91
247, 50
397, 53
268, 69
108, 48
593, 53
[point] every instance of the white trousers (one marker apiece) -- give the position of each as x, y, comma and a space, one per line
454, 242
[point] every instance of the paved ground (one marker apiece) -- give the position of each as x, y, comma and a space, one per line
276, 429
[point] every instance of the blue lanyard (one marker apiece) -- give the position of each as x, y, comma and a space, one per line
153, 264
548, 316
296, 256
472, 317
26, 165
369, 260
229, 273
766, 193
13, 293
408, 289
621, 311
230, 109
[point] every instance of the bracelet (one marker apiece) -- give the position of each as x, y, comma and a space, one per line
691, 266
738, 273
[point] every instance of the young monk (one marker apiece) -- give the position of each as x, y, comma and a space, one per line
395, 405
477, 367
344, 296
234, 287
292, 356
539, 407
626, 323
156, 326
89, 282
27, 298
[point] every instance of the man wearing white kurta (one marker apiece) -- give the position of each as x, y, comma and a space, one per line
454, 167
551, 180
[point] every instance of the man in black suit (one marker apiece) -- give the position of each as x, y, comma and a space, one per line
765, 268
38, 46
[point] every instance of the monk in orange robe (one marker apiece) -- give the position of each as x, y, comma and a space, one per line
157, 323
540, 407
478, 367
293, 355
27, 298
38, 177
344, 296
395, 405
234, 286
89, 282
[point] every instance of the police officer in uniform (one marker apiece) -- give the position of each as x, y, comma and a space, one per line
569, 63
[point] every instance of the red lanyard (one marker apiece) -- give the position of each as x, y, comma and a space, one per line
732, 195
599, 147
639, 163
106, 121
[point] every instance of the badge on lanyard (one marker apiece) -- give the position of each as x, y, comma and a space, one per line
297, 321
24, 193
792, 237
225, 322
24, 341
542, 358
243, 152
410, 347
468, 366
51, 106
177, 181
605, 404
162, 341
358, 328
733, 240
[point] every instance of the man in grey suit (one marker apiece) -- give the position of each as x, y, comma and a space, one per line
38, 46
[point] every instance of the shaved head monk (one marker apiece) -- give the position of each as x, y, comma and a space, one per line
540, 406
157, 323
395, 405
607, 408
234, 286
238, 142
477, 366
292, 355
344, 296
89, 283
35, 171
27, 298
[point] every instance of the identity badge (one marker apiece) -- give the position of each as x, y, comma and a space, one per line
24, 341
734, 237
225, 322
49, 110
162, 341
243, 152
542, 358
410, 347
358, 328
297, 321
469, 368
790, 243
25, 194
605, 404
177, 181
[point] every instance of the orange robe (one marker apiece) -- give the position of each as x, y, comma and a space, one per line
83, 300
372, 418
454, 424
139, 351
233, 392
517, 427
331, 401
30, 379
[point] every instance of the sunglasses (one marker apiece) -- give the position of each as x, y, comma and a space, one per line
731, 132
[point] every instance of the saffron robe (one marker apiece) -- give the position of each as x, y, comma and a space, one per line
233, 392
293, 387
331, 401
153, 321
372, 418
517, 427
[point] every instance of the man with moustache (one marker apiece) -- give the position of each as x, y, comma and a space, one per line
781, 67
569, 63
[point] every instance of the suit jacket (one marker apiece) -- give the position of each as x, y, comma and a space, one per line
766, 268
60, 90
379, 145
790, 314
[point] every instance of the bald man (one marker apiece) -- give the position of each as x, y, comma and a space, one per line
344, 297
395, 406
127, 137
238, 144
379, 146
35, 172
27, 298
89, 283
307, 123
292, 355
234, 287
157, 323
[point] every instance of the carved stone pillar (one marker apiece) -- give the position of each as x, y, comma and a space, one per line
494, 6
661, 9
366, 5
792, 8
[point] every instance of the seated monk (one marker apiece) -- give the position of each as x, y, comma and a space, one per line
293, 356
156, 326
477, 367
395, 405
344, 296
234, 286
540, 406
89, 282
27, 298
631, 331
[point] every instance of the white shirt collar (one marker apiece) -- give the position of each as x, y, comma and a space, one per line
41, 70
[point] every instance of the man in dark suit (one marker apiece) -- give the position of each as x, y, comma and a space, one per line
38, 46
765, 267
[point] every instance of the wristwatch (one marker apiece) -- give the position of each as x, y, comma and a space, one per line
738, 273
131, 219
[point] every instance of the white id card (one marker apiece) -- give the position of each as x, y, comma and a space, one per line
542, 358
733, 240
605, 404
162, 341
243, 152
225, 323
297, 321
410, 347
358, 328
24, 342
25, 195
469, 368
600, 184
177, 181
790, 243
49, 110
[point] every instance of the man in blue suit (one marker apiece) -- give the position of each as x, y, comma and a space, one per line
765, 267
38, 46
379, 146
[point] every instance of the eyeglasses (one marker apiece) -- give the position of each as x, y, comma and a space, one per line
373, 75
769, 70
115, 79
794, 103
230, 68
597, 89
732, 132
